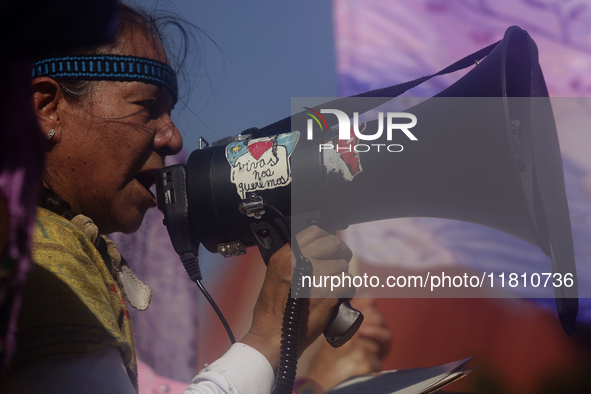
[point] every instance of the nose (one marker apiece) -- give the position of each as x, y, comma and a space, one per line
168, 139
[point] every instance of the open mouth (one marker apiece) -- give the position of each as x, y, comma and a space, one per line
147, 180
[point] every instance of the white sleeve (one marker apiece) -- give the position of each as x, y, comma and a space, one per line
242, 370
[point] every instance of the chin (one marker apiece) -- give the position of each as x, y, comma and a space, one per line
127, 225
130, 228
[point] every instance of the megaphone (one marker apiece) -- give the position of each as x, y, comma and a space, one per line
485, 151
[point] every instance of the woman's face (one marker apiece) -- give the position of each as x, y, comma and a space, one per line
112, 143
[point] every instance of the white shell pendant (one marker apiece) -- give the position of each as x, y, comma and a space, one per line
136, 292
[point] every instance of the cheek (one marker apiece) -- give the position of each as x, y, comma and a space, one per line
127, 145
119, 154
120, 209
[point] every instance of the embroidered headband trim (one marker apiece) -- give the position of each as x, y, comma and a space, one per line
109, 67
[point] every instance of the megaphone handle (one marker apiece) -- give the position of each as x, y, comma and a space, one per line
343, 323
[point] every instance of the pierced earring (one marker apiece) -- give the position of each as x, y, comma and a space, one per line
50, 135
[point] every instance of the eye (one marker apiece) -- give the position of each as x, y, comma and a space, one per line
149, 107
156, 106
145, 103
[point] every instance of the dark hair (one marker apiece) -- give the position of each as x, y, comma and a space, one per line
155, 24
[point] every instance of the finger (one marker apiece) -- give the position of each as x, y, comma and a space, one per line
310, 234
330, 267
322, 286
331, 292
327, 247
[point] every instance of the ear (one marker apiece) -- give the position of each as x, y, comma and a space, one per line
47, 98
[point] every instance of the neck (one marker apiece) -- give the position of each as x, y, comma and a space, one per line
49, 200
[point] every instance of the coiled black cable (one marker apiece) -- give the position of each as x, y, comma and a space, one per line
288, 358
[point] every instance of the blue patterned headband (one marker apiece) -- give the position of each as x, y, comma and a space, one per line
109, 67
